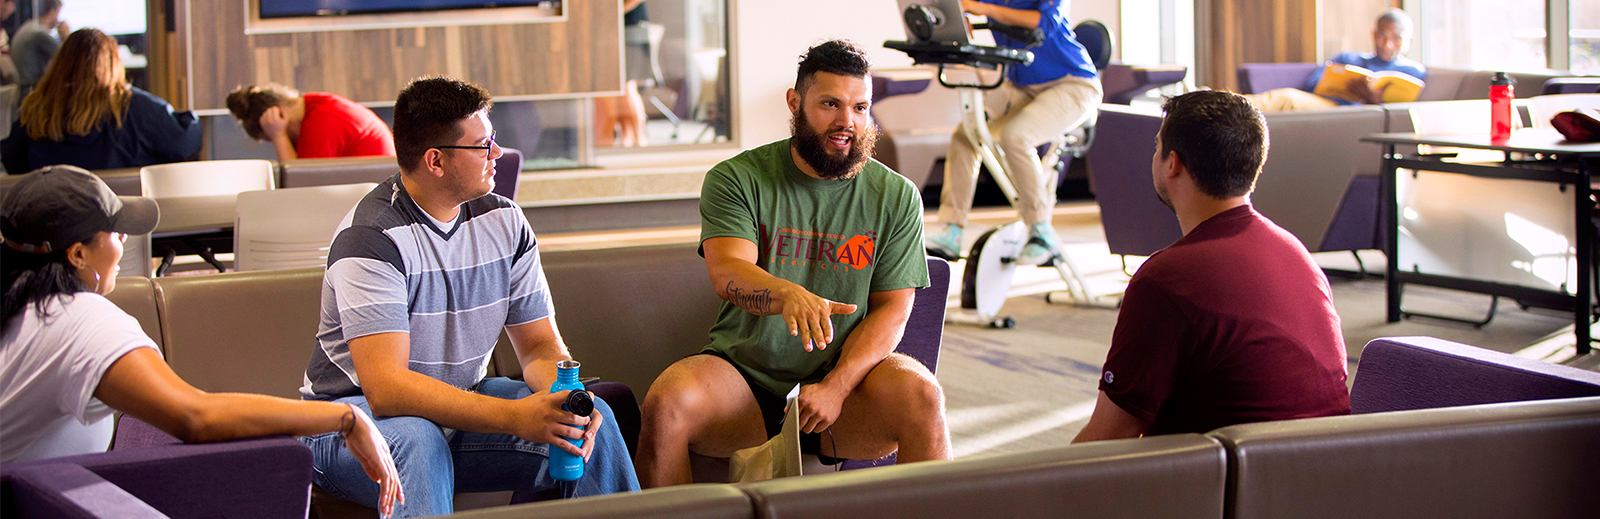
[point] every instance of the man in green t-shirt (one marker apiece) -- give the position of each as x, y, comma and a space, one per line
817, 251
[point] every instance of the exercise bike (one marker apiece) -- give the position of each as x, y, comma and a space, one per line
935, 39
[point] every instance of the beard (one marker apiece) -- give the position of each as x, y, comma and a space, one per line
1166, 199
813, 148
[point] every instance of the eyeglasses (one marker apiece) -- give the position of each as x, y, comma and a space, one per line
489, 146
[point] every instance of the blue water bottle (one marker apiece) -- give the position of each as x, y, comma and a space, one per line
565, 466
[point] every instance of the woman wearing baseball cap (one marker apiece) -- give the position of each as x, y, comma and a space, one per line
71, 356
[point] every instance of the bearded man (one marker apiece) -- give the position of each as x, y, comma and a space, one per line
816, 249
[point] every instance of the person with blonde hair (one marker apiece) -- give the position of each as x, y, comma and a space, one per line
313, 125
84, 113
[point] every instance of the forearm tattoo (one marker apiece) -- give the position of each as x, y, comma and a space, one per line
756, 301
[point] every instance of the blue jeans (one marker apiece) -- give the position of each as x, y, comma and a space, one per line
434, 468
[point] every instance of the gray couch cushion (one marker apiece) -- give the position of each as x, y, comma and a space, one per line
1314, 155
685, 502
137, 296
249, 332
628, 313
1161, 476
1526, 459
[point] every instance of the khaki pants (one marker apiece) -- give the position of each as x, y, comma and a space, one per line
1020, 119
1289, 99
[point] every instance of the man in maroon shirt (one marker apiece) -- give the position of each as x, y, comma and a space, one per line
1233, 323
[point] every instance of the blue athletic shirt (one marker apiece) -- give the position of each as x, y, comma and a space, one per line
1059, 56
1369, 61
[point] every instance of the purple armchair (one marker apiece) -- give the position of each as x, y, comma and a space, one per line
265, 478
1404, 373
923, 336
1255, 78
1135, 222
507, 170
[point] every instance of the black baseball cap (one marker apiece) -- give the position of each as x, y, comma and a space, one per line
56, 206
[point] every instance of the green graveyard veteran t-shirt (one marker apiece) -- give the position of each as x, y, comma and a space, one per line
840, 239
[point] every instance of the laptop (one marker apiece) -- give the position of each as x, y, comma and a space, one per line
951, 26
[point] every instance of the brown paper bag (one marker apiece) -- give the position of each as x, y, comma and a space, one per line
778, 458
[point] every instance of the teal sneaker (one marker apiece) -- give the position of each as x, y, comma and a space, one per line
1043, 245
943, 241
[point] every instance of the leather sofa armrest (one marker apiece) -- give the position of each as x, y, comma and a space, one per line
64, 490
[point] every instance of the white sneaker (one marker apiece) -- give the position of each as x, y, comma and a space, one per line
1043, 245
943, 241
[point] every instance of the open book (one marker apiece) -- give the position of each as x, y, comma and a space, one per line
1397, 87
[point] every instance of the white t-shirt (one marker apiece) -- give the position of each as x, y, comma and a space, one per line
50, 367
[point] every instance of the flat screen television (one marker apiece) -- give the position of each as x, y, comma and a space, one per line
305, 8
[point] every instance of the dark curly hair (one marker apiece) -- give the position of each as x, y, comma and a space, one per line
840, 57
248, 103
1220, 137
427, 113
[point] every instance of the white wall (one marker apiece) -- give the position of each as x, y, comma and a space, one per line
770, 36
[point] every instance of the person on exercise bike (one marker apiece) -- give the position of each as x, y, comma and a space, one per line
1058, 91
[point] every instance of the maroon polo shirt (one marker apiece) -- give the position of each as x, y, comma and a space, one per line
1233, 323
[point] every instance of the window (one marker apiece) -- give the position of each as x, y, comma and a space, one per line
1482, 34
1585, 36
675, 56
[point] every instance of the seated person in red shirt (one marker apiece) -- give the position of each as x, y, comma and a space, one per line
314, 125
1233, 323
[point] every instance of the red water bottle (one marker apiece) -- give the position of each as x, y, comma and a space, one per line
1500, 107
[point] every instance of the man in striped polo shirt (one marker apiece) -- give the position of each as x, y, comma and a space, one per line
420, 282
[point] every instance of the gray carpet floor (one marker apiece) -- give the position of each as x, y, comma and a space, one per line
1034, 386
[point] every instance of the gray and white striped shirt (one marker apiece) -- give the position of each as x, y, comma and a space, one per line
392, 269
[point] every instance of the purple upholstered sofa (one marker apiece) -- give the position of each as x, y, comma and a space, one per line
1406, 373
259, 478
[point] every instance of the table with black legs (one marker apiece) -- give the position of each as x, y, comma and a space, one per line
1535, 154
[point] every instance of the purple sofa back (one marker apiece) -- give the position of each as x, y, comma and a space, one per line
1135, 222
1255, 78
1404, 373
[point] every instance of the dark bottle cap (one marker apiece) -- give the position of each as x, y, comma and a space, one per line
580, 403
1500, 78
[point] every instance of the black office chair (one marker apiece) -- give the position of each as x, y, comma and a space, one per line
1095, 38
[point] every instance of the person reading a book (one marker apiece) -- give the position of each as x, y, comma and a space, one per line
1382, 76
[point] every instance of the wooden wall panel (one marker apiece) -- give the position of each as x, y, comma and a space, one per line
579, 56
1232, 32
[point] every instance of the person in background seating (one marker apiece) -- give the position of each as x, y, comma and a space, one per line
1036, 104
1233, 323
314, 125
84, 113
8, 68
814, 247
37, 41
1390, 38
420, 283
71, 357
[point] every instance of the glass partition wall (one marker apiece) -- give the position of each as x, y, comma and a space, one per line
675, 55
675, 51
